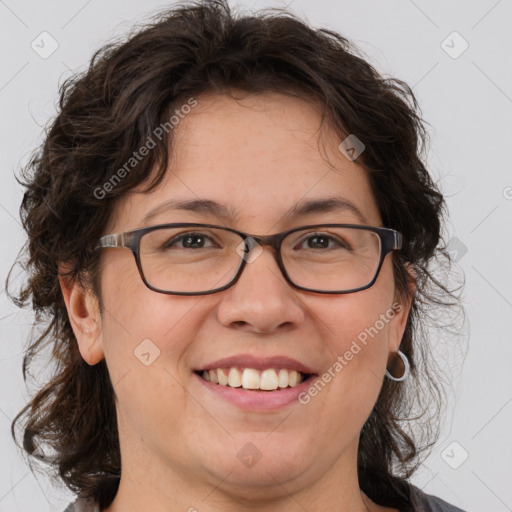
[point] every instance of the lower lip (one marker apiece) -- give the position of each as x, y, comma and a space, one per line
252, 400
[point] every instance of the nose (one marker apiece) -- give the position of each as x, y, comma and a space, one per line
261, 301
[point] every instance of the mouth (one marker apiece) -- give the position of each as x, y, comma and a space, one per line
254, 380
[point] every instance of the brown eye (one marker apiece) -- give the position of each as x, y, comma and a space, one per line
189, 240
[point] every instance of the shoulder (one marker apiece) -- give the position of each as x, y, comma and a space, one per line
429, 503
82, 504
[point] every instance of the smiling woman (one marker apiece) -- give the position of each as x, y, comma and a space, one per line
236, 320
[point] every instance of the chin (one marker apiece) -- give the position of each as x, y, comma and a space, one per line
259, 462
265, 480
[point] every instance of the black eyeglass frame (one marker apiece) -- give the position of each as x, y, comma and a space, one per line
390, 240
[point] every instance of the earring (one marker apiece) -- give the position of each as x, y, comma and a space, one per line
406, 371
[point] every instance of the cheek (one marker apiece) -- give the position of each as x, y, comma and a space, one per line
145, 336
134, 313
149, 323
357, 325
356, 328
359, 344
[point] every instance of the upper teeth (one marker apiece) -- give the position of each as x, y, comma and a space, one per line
249, 378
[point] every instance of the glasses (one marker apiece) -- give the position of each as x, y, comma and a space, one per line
199, 259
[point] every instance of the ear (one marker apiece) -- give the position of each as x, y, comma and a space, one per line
84, 316
402, 307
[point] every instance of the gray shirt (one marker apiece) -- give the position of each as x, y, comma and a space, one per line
430, 504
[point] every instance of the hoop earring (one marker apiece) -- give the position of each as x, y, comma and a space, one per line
406, 371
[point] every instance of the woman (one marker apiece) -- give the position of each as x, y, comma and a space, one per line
230, 229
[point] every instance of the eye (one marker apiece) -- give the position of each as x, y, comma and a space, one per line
324, 241
190, 241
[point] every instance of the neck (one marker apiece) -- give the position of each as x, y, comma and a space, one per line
150, 483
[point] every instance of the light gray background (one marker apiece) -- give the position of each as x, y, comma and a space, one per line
468, 102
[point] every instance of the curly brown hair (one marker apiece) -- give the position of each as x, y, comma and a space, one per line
110, 110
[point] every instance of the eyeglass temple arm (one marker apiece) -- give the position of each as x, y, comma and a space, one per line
393, 242
116, 240
397, 240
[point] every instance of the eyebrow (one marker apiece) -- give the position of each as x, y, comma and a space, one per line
301, 209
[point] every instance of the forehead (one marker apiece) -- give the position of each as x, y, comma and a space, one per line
259, 156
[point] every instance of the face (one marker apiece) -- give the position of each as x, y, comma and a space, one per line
259, 156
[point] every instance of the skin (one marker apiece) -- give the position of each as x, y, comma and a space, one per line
258, 155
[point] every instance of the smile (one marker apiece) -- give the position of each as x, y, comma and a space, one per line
249, 378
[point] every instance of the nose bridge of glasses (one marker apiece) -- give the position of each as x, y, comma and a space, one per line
272, 241
254, 246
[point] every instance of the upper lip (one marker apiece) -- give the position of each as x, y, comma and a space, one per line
258, 363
